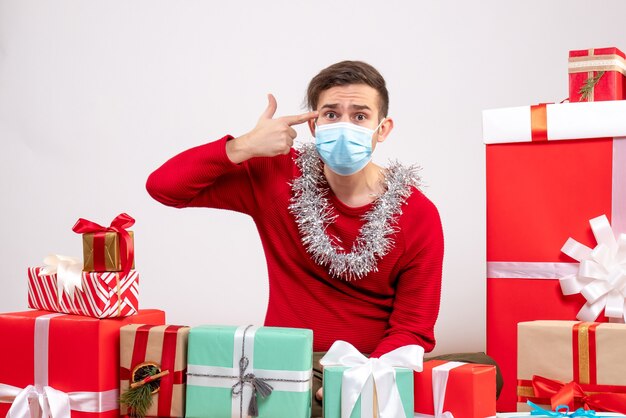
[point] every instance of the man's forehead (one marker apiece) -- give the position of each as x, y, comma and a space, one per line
351, 95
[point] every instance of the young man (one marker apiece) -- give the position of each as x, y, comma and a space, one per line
354, 250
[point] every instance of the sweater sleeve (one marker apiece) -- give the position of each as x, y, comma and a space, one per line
203, 176
418, 289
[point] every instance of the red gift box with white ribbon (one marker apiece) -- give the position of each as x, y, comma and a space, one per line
62, 365
550, 170
452, 388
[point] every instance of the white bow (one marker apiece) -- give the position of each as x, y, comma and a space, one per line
47, 402
601, 277
69, 271
381, 370
51, 403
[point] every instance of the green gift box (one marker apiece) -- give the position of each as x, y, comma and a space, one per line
333, 376
231, 369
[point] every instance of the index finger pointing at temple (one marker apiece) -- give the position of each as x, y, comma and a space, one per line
298, 119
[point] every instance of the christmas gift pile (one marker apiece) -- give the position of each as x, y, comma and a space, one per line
556, 214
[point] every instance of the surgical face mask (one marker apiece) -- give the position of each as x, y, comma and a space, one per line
344, 147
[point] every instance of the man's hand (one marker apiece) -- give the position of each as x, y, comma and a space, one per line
270, 137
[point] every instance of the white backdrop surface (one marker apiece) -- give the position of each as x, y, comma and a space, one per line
94, 95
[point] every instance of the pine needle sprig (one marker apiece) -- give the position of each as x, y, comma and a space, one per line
587, 88
138, 400
139, 397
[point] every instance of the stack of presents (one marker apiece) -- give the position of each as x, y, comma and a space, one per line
87, 350
556, 243
556, 191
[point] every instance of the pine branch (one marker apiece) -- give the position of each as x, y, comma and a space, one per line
587, 89
138, 398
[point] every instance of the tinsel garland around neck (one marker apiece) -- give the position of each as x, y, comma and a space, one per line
313, 213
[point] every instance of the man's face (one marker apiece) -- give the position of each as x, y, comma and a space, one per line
353, 103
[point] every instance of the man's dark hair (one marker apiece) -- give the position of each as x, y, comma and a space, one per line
345, 73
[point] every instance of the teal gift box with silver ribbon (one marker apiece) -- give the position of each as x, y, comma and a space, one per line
239, 372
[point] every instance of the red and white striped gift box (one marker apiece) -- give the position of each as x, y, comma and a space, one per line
103, 294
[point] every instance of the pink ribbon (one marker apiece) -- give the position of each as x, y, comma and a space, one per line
43, 401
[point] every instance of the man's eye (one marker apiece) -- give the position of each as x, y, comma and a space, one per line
330, 115
360, 117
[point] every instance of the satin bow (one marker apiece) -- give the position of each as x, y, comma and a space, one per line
381, 370
69, 271
560, 411
119, 225
47, 402
52, 403
601, 277
572, 395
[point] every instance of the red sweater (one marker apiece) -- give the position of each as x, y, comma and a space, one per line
396, 306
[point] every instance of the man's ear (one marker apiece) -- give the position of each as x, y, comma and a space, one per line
311, 123
384, 130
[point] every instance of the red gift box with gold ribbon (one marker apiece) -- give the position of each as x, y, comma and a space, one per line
578, 364
597, 74
550, 169
163, 348
107, 248
62, 365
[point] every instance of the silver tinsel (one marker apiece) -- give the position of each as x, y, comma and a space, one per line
313, 213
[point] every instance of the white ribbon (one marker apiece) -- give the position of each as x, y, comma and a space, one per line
69, 271
440, 383
363, 374
601, 276
42, 401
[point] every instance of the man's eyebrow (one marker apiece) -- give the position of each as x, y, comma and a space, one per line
354, 106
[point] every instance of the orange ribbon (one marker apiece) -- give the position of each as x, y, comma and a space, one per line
539, 122
573, 395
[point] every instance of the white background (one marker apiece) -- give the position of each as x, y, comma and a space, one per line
94, 95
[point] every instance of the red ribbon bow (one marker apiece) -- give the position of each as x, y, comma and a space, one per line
573, 395
119, 225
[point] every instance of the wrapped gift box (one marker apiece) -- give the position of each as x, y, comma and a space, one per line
107, 248
63, 356
333, 376
552, 354
606, 65
165, 348
357, 386
101, 251
469, 391
278, 357
101, 295
550, 169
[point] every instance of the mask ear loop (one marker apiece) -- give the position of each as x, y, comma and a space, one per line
380, 124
